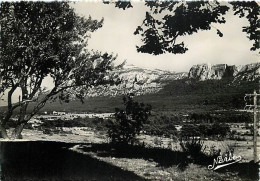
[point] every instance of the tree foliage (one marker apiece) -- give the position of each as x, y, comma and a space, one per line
40, 40
206, 130
250, 10
160, 34
128, 121
167, 21
162, 125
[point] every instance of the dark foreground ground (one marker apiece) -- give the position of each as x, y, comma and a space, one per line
45, 160
52, 161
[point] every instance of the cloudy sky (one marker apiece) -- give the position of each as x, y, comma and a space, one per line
117, 36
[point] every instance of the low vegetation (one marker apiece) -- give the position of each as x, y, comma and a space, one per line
96, 123
182, 96
219, 130
162, 125
128, 122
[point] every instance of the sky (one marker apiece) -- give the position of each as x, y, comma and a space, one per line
116, 36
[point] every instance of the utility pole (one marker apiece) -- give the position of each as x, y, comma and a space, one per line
255, 111
255, 127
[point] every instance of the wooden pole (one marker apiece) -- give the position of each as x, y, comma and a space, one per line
255, 127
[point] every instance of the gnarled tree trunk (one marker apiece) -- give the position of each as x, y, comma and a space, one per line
16, 134
3, 132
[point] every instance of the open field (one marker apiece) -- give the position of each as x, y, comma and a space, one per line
155, 161
86, 130
85, 135
67, 161
161, 164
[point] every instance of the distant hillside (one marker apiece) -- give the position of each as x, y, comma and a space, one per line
141, 81
223, 88
184, 95
137, 80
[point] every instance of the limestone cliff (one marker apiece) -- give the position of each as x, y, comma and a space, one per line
202, 72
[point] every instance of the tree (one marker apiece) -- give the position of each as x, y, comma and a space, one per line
220, 130
190, 130
168, 20
128, 121
250, 10
40, 40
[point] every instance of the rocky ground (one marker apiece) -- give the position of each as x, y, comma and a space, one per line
88, 135
145, 168
151, 170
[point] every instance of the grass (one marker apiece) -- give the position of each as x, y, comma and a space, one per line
135, 162
164, 164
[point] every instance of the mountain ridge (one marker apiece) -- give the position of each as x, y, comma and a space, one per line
162, 86
141, 81
248, 72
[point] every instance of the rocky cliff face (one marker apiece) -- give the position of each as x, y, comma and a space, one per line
137, 80
249, 72
142, 81
202, 72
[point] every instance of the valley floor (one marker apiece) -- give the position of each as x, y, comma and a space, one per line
149, 168
87, 135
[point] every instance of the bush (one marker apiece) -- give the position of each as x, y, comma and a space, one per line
214, 152
62, 123
47, 131
221, 117
190, 130
203, 117
193, 146
128, 122
162, 125
95, 123
158, 141
220, 130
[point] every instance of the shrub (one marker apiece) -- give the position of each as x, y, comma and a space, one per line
193, 146
220, 129
47, 131
190, 130
213, 151
62, 123
128, 122
162, 125
205, 129
95, 123
157, 141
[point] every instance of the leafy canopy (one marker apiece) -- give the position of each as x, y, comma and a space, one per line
40, 40
168, 20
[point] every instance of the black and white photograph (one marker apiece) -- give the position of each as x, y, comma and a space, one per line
129, 90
